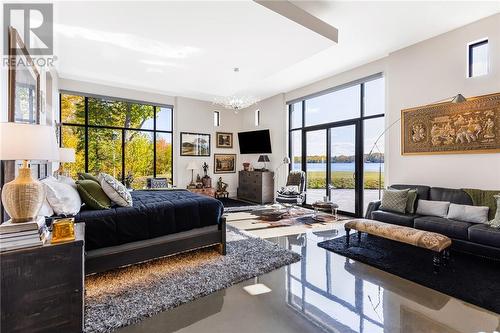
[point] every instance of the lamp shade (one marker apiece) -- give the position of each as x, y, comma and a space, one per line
191, 166
66, 155
27, 142
263, 158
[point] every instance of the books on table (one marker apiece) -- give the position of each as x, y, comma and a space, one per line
15, 236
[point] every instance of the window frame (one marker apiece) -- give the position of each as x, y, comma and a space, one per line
360, 135
217, 119
257, 117
86, 126
470, 57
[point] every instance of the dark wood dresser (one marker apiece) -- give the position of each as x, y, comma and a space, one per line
256, 186
42, 288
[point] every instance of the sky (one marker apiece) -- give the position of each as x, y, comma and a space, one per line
341, 105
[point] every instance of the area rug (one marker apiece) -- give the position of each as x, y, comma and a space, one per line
466, 277
125, 296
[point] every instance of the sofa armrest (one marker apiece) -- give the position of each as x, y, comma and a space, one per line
372, 206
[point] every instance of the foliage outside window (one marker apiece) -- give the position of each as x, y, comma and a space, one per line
128, 140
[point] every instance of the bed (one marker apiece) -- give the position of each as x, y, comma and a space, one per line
160, 223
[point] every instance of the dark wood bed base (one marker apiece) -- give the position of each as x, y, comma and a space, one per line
107, 258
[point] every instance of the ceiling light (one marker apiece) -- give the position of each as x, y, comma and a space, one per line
235, 102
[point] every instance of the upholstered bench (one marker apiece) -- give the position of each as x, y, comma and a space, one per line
433, 241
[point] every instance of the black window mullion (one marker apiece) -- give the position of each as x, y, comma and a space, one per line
86, 134
154, 141
123, 155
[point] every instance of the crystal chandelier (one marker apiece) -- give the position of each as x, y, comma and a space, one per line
234, 102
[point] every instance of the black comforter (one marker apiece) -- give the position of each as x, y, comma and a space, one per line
154, 214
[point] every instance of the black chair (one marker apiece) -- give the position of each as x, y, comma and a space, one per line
295, 178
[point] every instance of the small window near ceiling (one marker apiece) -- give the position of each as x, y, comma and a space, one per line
478, 58
216, 118
257, 117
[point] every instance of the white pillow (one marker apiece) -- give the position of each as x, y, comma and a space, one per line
67, 180
433, 208
467, 213
46, 210
63, 198
115, 190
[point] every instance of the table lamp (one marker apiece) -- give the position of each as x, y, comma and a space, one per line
66, 155
265, 159
192, 166
23, 197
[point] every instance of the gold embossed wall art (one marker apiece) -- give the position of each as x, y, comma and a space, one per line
472, 126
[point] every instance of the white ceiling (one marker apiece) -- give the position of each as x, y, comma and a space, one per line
190, 48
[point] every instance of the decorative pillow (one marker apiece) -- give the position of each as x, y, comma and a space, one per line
46, 210
290, 190
412, 199
92, 194
66, 180
88, 176
467, 213
158, 183
115, 190
433, 208
394, 200
63, 198
495, 223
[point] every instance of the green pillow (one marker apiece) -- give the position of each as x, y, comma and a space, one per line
410, 202
394, 200
87, 176
92, 194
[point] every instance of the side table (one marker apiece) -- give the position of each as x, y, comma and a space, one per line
42, 287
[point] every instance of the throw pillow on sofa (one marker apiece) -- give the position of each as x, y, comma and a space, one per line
92, 194
394, 200
433, 208
467, 213
115, 190
412, 199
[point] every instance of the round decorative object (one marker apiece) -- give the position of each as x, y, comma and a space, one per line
324, 206
323, 217
274, 215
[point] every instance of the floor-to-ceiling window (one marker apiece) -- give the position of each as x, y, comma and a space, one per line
126, 139
336, 137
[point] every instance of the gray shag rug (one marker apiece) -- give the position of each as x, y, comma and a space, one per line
127, 295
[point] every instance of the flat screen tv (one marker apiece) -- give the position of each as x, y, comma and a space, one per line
255, 142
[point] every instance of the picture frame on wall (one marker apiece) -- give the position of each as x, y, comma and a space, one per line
195, 144
224, 140
224, 163
24, 82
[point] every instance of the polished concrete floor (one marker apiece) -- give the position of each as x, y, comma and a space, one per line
324, 292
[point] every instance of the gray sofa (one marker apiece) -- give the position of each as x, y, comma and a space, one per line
478, 239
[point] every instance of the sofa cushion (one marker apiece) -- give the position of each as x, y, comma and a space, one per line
447, 227
484, 234
422, 190
394, 218
433, 208
394, 200
449, 194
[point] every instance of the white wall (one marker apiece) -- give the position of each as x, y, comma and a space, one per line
431, 71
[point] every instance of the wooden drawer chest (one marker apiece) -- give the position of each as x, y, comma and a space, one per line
42, 288
256, 186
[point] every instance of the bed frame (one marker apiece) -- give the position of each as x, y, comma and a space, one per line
107, 258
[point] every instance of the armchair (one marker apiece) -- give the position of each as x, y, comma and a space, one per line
286, 197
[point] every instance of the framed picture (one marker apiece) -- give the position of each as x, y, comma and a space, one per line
195, 144
224, 140
24, 83
224, 163
468, 127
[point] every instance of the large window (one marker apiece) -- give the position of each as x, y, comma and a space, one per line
478, 58
335, 137
129, 140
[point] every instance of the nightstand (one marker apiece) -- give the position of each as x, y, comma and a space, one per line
42, 288
208, 191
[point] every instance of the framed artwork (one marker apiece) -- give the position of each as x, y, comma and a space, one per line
195, 144
468, 127
224, 163
224, 140
24, 82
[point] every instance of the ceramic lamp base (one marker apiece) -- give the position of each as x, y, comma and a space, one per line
22, 198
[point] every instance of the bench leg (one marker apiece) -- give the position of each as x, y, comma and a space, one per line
436, 261
359, 237
347, 236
